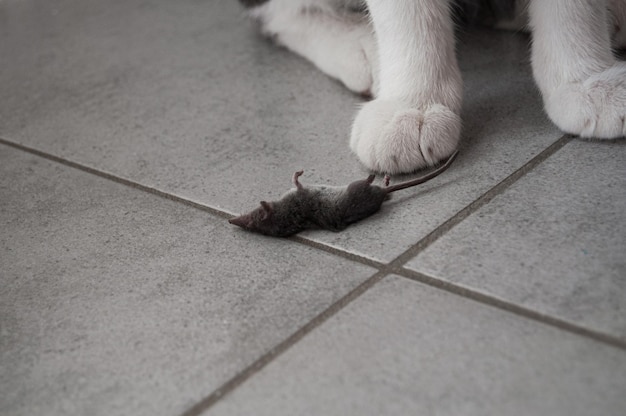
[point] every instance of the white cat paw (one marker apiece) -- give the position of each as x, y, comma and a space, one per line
594, 108
392, 137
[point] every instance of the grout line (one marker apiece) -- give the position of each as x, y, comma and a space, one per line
265, 359
213, 211
395, 266
117, 179
269, 356
480, 201
397, 262
514, 308
412, 251
340, 253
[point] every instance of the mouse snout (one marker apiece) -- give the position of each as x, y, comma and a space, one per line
239, 221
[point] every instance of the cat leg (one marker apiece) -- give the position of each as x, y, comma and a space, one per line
582, 84
414, 121
339, 42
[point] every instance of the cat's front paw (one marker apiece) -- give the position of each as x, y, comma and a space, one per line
392, 137
594, 108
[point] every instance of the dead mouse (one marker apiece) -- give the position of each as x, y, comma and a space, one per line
320, 206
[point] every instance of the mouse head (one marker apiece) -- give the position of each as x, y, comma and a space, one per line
259, 220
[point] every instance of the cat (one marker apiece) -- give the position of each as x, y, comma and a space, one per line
402, 53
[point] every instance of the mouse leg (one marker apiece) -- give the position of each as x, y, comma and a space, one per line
386, 180
370, 178
296, 175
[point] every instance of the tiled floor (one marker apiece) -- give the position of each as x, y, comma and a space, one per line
130, 130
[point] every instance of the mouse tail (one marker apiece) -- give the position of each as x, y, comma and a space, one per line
425, 178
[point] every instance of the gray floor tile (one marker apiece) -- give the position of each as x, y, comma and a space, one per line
553, 242
407, 349
185, 98
115, 301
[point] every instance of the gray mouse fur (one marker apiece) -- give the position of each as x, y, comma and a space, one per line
327, 207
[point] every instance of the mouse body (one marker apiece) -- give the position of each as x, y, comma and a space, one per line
317, 206
327, 207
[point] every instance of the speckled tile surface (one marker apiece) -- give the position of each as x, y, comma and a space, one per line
115, 301
553, 242
404, 348
131, 129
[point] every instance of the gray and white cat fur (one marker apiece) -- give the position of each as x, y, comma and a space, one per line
402, 53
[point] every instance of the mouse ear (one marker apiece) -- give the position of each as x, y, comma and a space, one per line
267, 208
